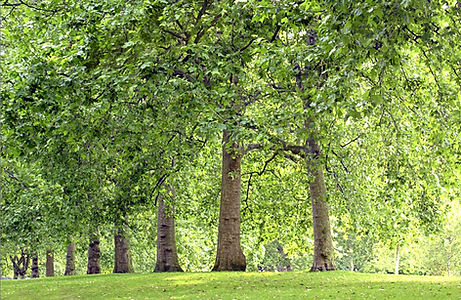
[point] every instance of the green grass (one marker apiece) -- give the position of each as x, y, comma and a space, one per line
235, 285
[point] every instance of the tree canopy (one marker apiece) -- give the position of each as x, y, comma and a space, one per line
351, 109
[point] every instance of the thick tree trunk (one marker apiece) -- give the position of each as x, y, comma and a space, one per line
49, 263
70, 259
397, 260
323, 243
94, 255
229, 255
122, 263
167, 255
34, 267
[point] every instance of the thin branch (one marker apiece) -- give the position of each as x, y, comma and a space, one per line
202, 30
340, 160
175, 34
202, 11
351, 141
12, 176
252, 147
266, 163
274, 36
22, 2
247, 45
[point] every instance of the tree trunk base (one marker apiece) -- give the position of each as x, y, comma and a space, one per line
237, 263
321, 267
233, 267
122, 256
166, 268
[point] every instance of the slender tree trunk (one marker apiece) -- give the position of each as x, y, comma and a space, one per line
351, 267
287, 263
34, 267
70, 259
167, 255
122, 256
323, 243
49, 263
448, 268
94, 255
397, 260
229, 255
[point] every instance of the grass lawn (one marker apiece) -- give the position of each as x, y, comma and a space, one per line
235, 285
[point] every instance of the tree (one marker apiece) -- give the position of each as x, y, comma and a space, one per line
357, 101
167, 255
70, 259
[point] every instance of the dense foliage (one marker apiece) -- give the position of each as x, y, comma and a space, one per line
107, 105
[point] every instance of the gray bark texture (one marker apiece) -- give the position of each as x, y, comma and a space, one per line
49, 263
94, 256
70, 259
323, 243
167, 255
122, 263
229, 255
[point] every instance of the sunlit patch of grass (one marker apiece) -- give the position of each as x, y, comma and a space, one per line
235, 285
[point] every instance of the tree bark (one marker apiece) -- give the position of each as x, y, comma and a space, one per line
397, 260
34, 267
229, 255
94, 256
49, 263
167, 255
122, 263
323, 243
70, 259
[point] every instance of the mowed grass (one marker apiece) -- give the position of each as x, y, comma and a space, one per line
235, 285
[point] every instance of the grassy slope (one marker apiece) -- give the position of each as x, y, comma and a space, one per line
331, 285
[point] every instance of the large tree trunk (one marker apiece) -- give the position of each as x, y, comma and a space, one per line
49, 263
229, 256
122, 256
94, 255
323, 243
70, 259
167, 255
34, 267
